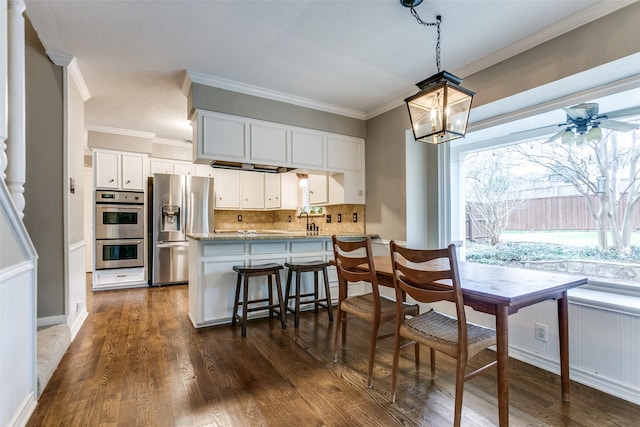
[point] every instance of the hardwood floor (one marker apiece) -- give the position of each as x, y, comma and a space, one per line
138, 361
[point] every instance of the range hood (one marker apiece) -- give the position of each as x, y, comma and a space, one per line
251, 167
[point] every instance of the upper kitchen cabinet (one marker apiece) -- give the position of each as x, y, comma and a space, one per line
272, 191
318, 189
307, 149
345, 154
268, 144
227, 188
119, 171
252, 184
220, 137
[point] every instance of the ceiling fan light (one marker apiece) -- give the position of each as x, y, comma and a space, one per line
594, 134
568, 137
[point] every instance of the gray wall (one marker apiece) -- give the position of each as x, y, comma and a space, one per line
224, 101
44, 187
110, 141
609, 38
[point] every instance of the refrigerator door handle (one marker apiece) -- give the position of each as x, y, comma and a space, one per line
171, 244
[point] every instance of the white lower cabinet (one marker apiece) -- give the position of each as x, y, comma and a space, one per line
212, 280
117, 278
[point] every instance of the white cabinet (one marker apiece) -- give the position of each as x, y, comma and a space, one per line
318, 189
272, 191
222, 137
307, 149
345, 154
289, 185
203, 170
170, 167
160, 166
252, 190
268, 144
119, 278
227, 189
107, 169
347, 188
115, 170
182, 168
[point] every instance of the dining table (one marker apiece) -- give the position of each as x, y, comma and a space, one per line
502, 291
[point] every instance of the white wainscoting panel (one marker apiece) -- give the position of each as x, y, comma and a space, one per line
77, 295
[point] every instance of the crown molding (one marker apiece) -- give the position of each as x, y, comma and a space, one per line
119, 131
172, 142
200, 78
64, 60
568, 24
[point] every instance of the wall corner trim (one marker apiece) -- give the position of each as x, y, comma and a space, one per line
64, 60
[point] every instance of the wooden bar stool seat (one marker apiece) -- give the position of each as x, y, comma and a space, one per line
310, 297
245, 272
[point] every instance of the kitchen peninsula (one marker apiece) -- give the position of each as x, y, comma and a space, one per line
212, 257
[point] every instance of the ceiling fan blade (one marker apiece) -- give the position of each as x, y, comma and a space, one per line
631, 111
555, 136
619, 126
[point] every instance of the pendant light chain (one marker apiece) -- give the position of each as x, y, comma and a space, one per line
430, 24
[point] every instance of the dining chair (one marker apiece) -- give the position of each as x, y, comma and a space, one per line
354, 264
428, 276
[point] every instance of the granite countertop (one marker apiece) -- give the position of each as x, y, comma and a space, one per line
270, 235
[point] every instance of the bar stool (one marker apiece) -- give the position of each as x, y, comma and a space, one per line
268, 270
306, 267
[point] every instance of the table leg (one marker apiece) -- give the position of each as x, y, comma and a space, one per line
502, 350
563, 330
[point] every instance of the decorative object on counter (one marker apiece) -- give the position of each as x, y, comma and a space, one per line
439, 112
314, 267
244, 272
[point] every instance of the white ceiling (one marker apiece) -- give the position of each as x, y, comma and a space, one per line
354, 57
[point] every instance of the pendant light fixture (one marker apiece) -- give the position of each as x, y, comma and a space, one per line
439, 112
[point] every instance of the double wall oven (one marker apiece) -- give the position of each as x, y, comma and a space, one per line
119, 229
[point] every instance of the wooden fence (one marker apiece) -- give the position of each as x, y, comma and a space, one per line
550, 213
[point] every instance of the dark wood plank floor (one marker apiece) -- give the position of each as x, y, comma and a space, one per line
138, 361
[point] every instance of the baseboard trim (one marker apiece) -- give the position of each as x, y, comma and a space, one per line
26, 410
590, 379
75, 328
52, 320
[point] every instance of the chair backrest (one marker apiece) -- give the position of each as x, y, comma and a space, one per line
429, 275
354, 262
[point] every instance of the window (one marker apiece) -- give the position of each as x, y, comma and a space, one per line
519, 199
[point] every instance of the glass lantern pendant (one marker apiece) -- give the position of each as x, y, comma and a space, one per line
439, 112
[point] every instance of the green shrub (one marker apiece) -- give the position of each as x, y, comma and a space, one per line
517, 252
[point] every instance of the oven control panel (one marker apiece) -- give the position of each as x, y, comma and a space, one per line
127, 197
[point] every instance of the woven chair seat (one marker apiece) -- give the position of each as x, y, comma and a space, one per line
362, 306
440, 332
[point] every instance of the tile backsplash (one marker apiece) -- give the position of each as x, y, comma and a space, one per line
287, 220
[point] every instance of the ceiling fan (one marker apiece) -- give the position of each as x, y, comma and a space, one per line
584, 120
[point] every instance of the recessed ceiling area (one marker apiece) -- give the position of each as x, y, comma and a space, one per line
356, 58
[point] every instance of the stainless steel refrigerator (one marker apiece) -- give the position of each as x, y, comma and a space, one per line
178, 205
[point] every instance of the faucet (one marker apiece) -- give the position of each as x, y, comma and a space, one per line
305, 213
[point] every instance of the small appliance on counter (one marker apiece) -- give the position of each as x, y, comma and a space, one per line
178, 205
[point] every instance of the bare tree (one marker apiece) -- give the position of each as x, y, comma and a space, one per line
606, 172
493, 192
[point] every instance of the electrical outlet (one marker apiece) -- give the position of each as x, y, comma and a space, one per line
78, 304
328, 218
239, 218
541, 332
355, 217
339, 217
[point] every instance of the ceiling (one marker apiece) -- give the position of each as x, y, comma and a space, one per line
353, 57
